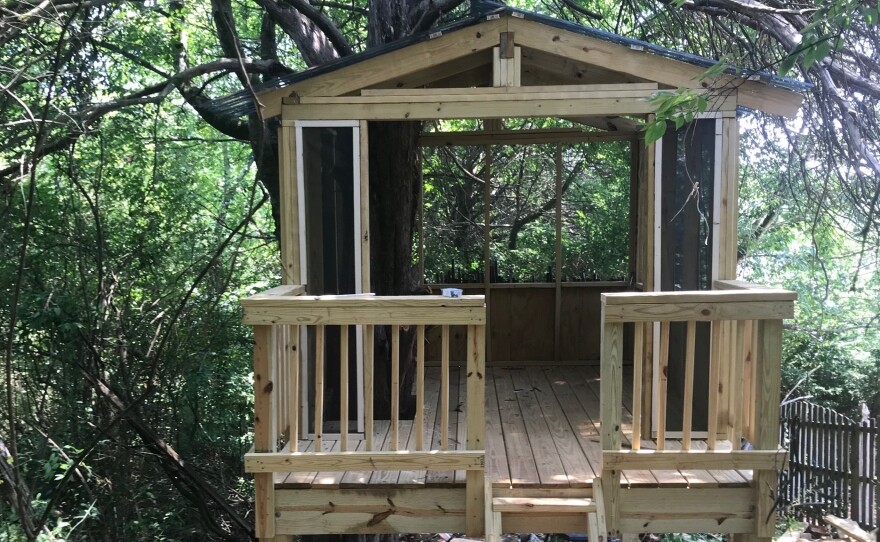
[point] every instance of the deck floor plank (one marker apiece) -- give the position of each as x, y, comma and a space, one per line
578, 471
441, 478
521, 463
432, 404
497, 468
361, 478
547, 460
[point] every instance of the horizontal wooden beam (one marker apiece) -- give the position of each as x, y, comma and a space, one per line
554, 505
738, 285
342, 310
520, 137
507, 90
516, 94
500, 106
700, 306
365, 461
364, 511
694, 459
688, 510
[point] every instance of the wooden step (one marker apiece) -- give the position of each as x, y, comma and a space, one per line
543, 504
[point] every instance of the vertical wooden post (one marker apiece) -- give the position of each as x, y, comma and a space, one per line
293, 384
647, 168
687, 417
368, 387
638, 383
288, 197
715, 361
557, 315
395, 386
365, 205
319, 387
768, 361
487, 232
475, 491
611, 403
265, 426
444, 387
343, 388
420, 388
664, 380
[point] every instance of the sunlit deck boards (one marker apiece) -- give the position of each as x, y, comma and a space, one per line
542, 431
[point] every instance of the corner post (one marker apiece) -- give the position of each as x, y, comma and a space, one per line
611, 400
265, 426
768, 361
475, 490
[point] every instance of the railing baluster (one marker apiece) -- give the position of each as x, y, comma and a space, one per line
395, 386
738, 383
444, 387
661, 393
420, 388
687, 417
319, 387
293, 384
638, 376
368, 387
714, 370
343, 388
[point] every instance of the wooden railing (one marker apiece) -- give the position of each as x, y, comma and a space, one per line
277, 317
745, 355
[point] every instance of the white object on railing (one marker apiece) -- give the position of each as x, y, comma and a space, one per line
452, 292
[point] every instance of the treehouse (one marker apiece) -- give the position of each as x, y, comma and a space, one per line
557, 400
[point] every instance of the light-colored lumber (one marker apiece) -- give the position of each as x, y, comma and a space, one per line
495, 90
768, 362
365, 309
279, 291
293, 334
695, 459
368, 386
522, 94
476, 427
319, 387
638, 382
265, 398
723, 510
715, 361
264, 499
634, 103
702, 296
611, 384
593, 532
662, 398
621, 58
328, 511
850, 529
420, 388
365, 461
707, 309
688, 413
444, 388
543, 505
519, 137
492, 518
364, 204
606, 502
395, 386
288, 198
343, 388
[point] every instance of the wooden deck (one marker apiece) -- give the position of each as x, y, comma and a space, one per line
542, 432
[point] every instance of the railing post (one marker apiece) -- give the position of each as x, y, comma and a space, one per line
265, 426
611, 401
768, 362
475, 491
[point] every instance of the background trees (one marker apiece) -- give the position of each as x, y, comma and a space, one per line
133, 216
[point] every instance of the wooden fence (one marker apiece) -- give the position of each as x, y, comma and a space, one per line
833, 466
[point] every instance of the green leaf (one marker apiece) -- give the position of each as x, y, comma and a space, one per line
655, 131
787, 64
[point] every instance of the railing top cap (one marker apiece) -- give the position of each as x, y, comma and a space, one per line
708, 296
363, 300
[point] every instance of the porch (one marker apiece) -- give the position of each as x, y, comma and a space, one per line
551, 448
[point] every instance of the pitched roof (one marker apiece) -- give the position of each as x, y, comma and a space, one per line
241, 103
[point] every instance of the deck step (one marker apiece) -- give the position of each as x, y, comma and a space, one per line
543, 504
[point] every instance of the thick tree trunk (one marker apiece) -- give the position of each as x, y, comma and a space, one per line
395, 173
